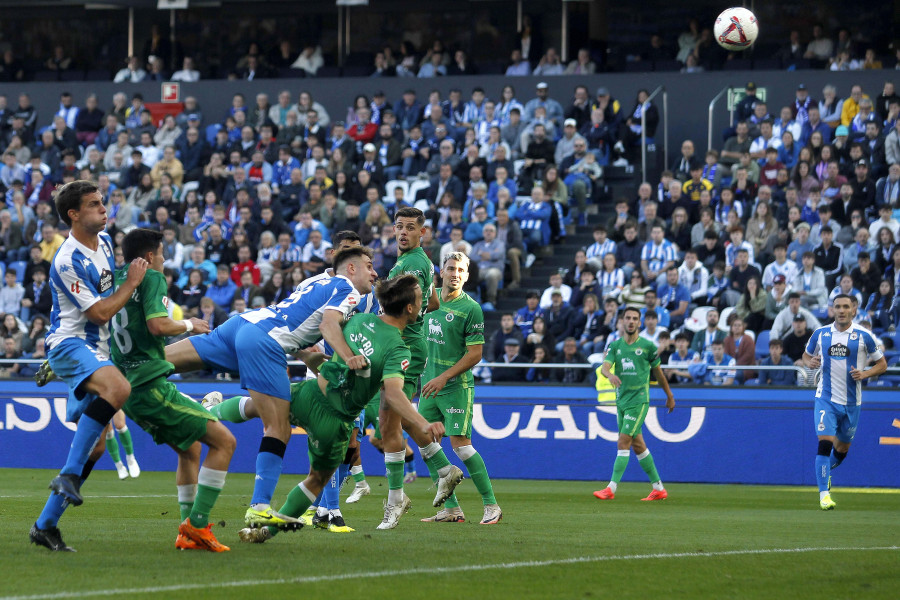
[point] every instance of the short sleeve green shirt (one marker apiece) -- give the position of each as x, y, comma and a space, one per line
449, 331
632, 363
417, 263
140, 355
348, 391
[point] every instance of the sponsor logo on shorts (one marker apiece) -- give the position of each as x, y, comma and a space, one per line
630, 418
455, 411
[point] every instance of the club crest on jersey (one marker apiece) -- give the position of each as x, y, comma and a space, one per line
854, 335
404, 364
450, 317
838, 351
638, 352
106, 280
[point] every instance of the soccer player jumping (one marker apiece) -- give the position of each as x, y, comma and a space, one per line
842, 350
81, 278
633, 358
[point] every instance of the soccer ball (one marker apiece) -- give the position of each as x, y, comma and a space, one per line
736, 29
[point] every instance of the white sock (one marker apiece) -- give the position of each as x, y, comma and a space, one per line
336, 512
465, 452
305, 490
123, 430
613, 486
658, 486
395, 497
110, 434
321, 511
119, 465
823, 494
643, 454
243, 406
260, 506
212, 478
187, 492
430, 450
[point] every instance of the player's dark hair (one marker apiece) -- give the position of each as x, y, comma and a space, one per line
346, 255
776, 343
411, 213
70, 195
849, 297
683, 336
345, 235
395, 294
139, 242
794, 296
632, 309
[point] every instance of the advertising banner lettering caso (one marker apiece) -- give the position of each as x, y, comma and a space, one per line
749, 435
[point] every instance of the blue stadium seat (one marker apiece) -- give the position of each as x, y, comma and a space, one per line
19, 266
762, 344
211, 132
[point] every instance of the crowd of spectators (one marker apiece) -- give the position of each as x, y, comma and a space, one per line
248, 196
734, 257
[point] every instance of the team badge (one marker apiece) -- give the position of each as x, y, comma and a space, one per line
638, 352
854, 335
449, 317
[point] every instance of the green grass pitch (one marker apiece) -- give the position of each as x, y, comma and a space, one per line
555, 541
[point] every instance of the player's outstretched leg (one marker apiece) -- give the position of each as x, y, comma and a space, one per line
479, 475
823, 474
449, 476
609, 492
112, 446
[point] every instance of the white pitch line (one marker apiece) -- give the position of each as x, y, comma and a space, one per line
432, 571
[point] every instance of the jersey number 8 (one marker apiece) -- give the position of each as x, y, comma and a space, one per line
121, 335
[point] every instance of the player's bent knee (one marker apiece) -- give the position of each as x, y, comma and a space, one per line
825, 447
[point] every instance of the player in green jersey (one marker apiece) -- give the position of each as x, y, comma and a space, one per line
455, 337
327, 407
139, 334
409, 227
634, 359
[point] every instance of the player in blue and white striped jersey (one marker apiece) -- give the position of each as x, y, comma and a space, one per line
253, 344
326, 507
81, 279
842, 350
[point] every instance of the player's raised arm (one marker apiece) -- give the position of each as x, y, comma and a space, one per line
99, 310
331, 331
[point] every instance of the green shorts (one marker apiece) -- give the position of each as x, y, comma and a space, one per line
166, 414
631, 418
328, 435
418, 350
453, 409
371, 417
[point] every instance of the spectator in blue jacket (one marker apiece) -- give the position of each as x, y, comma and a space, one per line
534, 220
526, 315
222, 290
787, 377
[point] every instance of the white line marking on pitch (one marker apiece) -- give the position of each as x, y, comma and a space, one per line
431, 571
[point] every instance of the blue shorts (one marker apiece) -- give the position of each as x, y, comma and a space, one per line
237, 346
836, 419
74, 361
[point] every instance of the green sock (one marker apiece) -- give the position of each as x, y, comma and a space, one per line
395, 474
229, 410
478, 473
112, 446
295, 505
649, 467
358, 473
210, 484
125, 436
619, 465
186, 495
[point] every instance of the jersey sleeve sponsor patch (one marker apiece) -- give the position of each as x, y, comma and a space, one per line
404, 364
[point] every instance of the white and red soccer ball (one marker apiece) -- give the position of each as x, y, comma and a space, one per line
736, 29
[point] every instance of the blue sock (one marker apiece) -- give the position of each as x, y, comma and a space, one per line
269, 462
331, 492
343, 472
86, 436
409, 467
54, 508
823, 471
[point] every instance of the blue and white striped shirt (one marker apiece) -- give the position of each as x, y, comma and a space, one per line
294, 322
841, 350
367, 304
600, 250
611, 282
79, 278
658, 255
